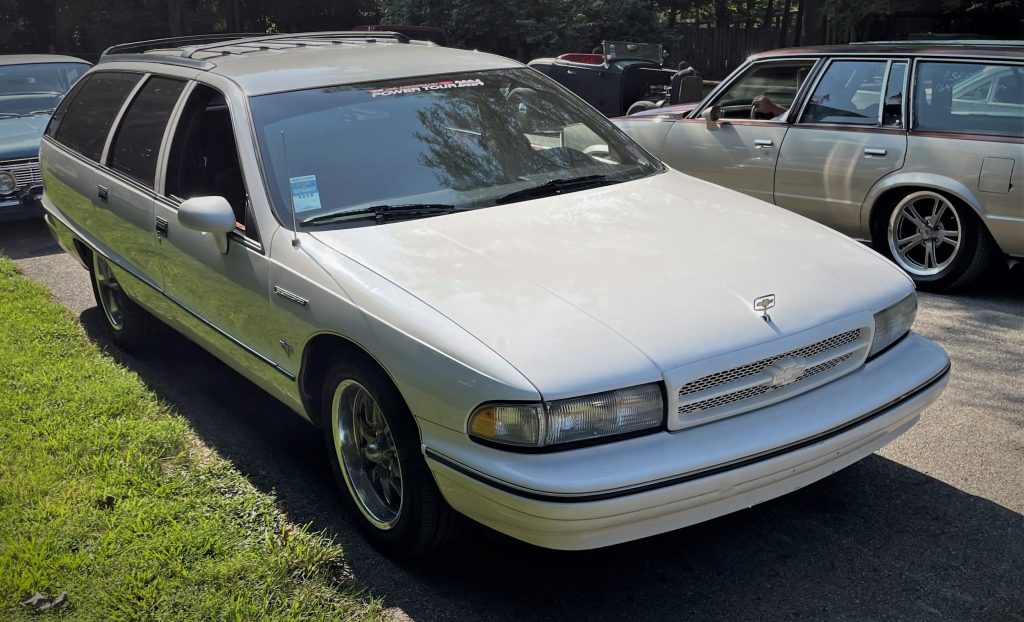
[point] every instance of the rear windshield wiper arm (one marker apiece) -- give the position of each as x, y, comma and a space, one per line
382, 213
556, 186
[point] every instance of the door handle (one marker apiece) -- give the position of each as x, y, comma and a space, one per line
161, 227
875, 152
763, 143
101, 192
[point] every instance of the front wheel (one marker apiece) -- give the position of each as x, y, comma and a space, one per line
938, 240
375, 449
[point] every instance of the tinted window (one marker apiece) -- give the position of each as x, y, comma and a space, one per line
850, 92
137, 142
778, 82
892, 114
87, 120
969, 97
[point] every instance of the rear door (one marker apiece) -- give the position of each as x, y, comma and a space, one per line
741, 152
125, 186
850, 133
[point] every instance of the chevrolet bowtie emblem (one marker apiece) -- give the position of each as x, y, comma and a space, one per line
762, 304
787, 370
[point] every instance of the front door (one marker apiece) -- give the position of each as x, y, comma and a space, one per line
848, 137
222, 298
741, 150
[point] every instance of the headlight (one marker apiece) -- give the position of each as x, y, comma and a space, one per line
566, 421
8, 183
893, 322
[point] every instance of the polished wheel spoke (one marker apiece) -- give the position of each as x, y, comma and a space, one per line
949, 237
367, 453
925, 245
909, 242
913, 216
940, 209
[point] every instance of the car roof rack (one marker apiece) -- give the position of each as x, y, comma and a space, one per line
196, 50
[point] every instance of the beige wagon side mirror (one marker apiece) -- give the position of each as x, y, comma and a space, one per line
711, 116
212, 214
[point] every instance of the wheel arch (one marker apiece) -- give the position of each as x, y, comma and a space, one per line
318, 353
888, 191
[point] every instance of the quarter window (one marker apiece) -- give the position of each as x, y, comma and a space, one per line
849, 93
137, 141
969, 97
87, 120
778, 82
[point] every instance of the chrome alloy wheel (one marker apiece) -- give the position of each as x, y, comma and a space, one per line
367, 454
924, 233
109, 292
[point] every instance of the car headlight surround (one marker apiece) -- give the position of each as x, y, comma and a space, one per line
8, 182
893, 322
574, 420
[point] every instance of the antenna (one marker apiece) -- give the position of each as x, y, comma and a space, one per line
291, 195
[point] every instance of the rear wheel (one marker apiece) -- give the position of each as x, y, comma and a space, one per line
375, 449
130, 325
938, 240
640, 106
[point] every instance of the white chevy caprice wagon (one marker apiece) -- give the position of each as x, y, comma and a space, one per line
493, 303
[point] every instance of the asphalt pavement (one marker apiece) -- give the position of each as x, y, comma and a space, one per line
929, 528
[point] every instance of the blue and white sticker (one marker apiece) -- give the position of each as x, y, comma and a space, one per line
305, 193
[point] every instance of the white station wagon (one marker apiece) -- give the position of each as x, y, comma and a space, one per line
493, 303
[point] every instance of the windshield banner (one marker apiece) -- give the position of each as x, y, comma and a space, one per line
427, 86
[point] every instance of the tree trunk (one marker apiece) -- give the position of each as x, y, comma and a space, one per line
784, 30
174, 18
799, 22
769, 14
722, 16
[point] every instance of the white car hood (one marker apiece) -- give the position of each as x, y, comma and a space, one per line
610, 287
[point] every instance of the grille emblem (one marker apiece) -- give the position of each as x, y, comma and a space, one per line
762, 304
786, 371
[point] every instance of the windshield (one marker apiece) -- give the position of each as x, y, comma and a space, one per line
465, 140
36, 88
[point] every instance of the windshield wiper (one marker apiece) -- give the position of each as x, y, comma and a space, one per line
556, 186
383, 213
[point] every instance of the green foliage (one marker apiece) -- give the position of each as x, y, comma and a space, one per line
108, 497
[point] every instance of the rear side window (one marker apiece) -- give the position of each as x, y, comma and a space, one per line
850, 93
969, 97
86, 121
137, 141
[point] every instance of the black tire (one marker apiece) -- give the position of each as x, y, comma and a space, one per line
640, 106
131, 326
423, 521
944, 270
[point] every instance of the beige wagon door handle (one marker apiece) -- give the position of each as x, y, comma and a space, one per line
763, 143
875, 152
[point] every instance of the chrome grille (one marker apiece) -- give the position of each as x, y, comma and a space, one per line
26, 172
757, 384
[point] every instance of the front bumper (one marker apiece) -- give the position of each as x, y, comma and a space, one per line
25, 203
594, 497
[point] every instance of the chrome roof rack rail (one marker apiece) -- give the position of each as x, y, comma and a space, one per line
195, 50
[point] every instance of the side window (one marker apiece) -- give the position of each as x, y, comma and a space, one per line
137, 141
58, 114
946, 100
203, 159
892, 110
850, 93
87, 120
776, 81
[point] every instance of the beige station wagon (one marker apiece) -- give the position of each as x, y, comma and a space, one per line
917, 147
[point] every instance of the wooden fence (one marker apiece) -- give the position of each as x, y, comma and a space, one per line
715, 52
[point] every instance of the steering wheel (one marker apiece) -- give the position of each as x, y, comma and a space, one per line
753, 112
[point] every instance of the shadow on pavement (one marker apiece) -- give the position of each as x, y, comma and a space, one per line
877, 541
24, 239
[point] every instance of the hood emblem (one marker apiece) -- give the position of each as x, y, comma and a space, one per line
762, 304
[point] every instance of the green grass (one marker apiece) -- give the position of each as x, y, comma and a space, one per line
107, 495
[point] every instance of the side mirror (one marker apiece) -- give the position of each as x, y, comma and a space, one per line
711, 116
211, 214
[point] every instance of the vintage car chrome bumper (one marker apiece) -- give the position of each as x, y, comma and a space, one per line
716, 469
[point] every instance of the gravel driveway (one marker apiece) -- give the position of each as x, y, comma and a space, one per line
930, 528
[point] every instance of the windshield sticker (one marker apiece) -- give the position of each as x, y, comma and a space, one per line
305, 194
427, 86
